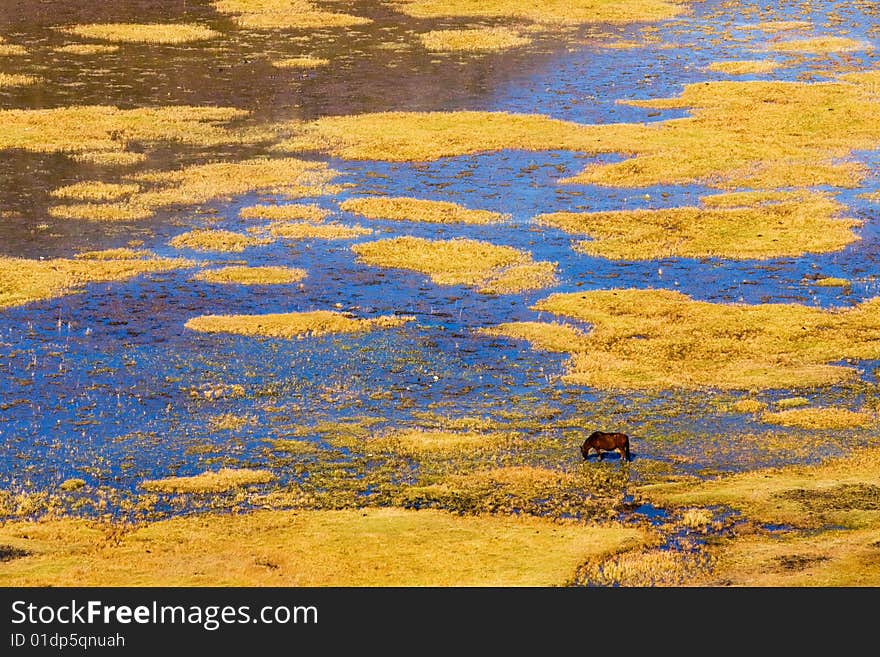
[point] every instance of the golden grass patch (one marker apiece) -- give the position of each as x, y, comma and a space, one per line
23, 280
305, 231
460, 262
300, 62
101, 211
95, 190
292, 446
86, 49
767, 230
229, 422
485, 39
357, 547
292, 325
18, 80
100, 128
414, 209
744, 67
747, 406
243, 275
11, 49
778, 26
827, 417
830, 281
284, 14
120, 253
209, 481
215, 240
163, 33
759, 134
416, 442
646, 339
289, 212
819, 45
652, 567
550, 11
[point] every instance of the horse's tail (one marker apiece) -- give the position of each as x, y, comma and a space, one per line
626, 449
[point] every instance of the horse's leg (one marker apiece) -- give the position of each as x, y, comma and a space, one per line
600, 453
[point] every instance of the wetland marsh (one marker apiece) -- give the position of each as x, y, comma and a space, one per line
289, 278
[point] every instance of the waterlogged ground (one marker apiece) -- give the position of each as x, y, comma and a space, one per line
114, 408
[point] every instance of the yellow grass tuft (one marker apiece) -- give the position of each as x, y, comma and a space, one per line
11, 49
243, 275
288, 212
23, 281
312, 548
744, 67
820, 45
460, 262
229, 422
549, 11
305, 231
748, 406
72, 484
821, 418
485, 39
768, 230
18, 80
86, 49
121, 253
438, 443
648, 339
284, 14
830, 281
215, 240
95, 191
91, 128
163, 33
292, 325
779, 26
101, 211
209, 482
300, 62
413, 209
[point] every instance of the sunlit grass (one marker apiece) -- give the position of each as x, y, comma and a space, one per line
95, 191
413, 209
312, 548
825, 44
289, 212
292, 325
821, 418
485, 39
490, 268
215, 240
18, 80
284, 14
744, 67
164, 33
306, 230
85, 49
243, 275
209, 481
300, 62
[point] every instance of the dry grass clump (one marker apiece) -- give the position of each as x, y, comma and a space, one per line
747, 406
95, 190
416, 442
23, 280
11, 49
820, 45
143, 32
300, 62
829, 417
72, 484
460, 262
485, 39
778, 26
215, 240
284, 14
414, 209
652, 567
549, 11
792, 402
831, 281
422, 136
289, 212
243, 275
121, 253
99, 128
305, 231
101, 212
209, 481
759, 231
644, 339
229, 422
18, 80
292, 325
312, 548
744, 67
85, 49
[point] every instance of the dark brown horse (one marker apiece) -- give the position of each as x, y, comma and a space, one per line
602, 441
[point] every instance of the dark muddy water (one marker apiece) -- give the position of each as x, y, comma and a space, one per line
99, 385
